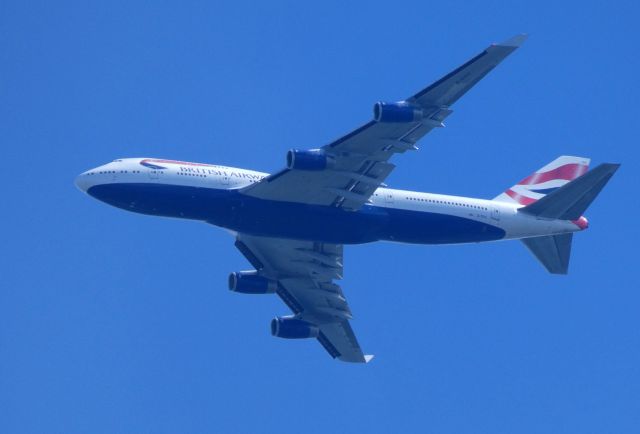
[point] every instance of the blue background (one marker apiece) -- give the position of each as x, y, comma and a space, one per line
116, 322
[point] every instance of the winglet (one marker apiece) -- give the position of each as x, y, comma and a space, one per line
514, 41
368, 357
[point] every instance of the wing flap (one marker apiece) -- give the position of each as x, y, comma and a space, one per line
343, 342
364, 151
305, 272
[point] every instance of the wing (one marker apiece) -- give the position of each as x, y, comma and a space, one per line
345, 173
305, 272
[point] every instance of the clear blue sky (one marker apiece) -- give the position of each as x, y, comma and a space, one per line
116, 322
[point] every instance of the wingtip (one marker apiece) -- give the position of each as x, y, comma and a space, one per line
515, 41
368, 358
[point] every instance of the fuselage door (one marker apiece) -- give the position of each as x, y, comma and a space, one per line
495, 213
388, 197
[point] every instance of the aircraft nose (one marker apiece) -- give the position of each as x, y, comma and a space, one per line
82, 181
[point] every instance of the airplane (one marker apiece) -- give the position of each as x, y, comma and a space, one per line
292, 225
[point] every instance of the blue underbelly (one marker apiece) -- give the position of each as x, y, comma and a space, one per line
232, 210
434, 228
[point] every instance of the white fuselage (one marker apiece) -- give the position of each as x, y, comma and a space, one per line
188, 190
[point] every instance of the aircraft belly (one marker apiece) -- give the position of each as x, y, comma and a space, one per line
196, 203
232, 210
421, 227
306, 222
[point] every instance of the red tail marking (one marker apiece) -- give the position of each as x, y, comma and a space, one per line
522, 200
567, 172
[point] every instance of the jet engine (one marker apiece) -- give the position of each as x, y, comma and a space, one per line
249, 282
292, 328
313, 159
396, 112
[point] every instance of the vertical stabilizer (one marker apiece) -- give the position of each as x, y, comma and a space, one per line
545, 180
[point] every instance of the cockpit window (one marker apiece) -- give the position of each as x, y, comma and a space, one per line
119, 160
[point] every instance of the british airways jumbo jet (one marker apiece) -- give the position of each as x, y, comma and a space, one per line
292, 225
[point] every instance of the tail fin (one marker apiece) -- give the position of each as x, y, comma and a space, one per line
566, 203
545, 180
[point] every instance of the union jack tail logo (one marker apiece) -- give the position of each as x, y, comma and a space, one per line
545, 180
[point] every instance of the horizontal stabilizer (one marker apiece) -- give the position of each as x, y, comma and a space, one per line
571, 200
552, 251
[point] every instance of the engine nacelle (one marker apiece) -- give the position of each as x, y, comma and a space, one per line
396, 112
249, 282
313, 159
292, 328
